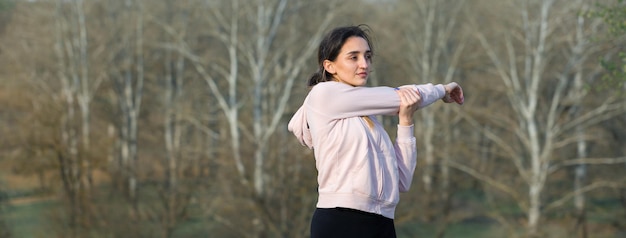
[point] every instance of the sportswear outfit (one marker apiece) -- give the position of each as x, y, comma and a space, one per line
359, 168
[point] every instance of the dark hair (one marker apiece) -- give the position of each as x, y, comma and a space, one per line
331, 45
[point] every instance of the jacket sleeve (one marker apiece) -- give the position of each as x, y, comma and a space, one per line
406, 155
430, 93
338, 100
299, 127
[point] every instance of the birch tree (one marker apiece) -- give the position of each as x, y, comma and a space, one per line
276, 58
435, 42
613, 16
126, 75
259, 39
78, 87
433, 55
174, 68
174, 193
521, 56
580, 51
63, 85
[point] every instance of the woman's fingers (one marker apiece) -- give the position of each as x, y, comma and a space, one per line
457, 95
454, 93
409, 98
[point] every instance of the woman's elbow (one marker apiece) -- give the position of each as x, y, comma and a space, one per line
404, 187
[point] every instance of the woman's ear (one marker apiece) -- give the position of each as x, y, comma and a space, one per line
328, 66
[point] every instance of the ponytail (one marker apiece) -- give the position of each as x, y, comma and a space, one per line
319, 76
315, 78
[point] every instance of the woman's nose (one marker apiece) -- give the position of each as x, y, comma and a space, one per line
364, 63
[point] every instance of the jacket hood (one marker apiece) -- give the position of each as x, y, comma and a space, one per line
300, 128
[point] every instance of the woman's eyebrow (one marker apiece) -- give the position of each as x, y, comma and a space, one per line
354, 52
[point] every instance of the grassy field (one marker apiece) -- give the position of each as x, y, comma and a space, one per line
29, 219
28, 214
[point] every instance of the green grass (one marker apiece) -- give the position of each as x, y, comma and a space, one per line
28, 220
458, 230
33, 220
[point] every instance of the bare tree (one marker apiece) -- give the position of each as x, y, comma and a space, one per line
174, 194
276, 59
268, 51
537, 125
579, 45
78, 87
174, 69
433, 58
195, 95
433, 43
126, 74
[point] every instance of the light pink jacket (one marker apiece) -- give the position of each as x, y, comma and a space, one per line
358, 167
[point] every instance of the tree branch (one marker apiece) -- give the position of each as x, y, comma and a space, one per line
588, 188
489, 181
587, 161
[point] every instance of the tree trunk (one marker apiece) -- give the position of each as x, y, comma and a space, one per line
72, 57
581, 170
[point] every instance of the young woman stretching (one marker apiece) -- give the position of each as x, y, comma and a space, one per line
360, 171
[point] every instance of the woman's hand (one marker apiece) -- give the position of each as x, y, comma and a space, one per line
409, 102
454, 93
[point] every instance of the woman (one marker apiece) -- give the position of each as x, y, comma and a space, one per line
360, 171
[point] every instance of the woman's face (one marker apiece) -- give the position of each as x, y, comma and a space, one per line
352, 65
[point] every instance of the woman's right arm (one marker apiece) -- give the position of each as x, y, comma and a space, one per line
339, 100
429, 92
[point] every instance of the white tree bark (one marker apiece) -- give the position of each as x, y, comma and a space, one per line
172, 133
262, 58
523, 92
272, 65
273, 70
540, 127
431, 47
71, 49
127, 75
577, 95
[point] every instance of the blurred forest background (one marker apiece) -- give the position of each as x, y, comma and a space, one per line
162, 118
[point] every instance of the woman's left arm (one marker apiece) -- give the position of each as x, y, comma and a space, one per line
406, 151
406, 156
411, 98
451, 92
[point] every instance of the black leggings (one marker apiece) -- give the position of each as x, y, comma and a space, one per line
345, 223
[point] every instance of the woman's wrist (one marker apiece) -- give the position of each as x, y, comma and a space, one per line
405, 121
447, 89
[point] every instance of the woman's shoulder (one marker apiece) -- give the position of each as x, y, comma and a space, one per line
326, 88
327, 85
321, 89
